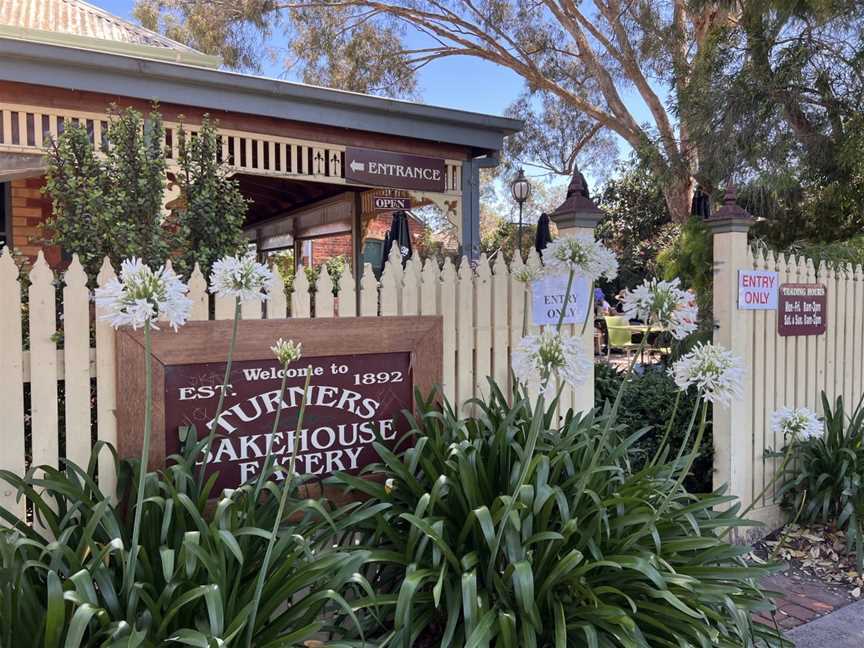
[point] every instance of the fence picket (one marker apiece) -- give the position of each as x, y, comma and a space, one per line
848, 339
520, 301
43, 365
368, 292
411, 287
830, 333
277, 303
448, 311
301, 303
464, 335
198, 294
758, 394
76, 361
858, 335
430, 283
500, 325
390, 286
482, 307
324, 303
106, 397
11, 380
347, 294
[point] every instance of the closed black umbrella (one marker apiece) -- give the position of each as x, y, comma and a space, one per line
544, 236
399, 235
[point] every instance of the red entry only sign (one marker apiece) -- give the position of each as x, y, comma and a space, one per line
757, 289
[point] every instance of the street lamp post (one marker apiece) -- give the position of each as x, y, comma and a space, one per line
521, 189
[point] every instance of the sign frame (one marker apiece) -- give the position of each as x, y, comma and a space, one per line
801, 329
770, 293
207, 342
358, 170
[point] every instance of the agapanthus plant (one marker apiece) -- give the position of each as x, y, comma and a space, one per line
137, 299
240, 278
718, 374
663, 305
794, 424
581, 255
549, 358
141, 295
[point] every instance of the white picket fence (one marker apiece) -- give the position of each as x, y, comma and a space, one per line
787, 371
482, 309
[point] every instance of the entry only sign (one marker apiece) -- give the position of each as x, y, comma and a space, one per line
803, 309
364, 371
757, 289
547, 300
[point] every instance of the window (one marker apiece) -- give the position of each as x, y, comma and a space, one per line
5, 215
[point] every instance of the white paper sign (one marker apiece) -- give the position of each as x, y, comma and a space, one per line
757, 289
547, 299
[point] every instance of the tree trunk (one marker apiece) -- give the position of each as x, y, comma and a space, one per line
679, 196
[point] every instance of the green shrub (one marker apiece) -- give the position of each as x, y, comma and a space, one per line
593, 553
63, 581
824, 480
649, 402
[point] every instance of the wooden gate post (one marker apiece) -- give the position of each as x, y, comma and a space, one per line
578, 215
733, 330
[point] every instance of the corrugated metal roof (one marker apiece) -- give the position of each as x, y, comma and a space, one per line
78, 18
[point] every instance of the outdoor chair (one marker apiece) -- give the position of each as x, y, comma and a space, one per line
618, 335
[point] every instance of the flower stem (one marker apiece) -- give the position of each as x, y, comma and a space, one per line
690, 459
566, 302
588, 309
145, 456
268, 461
211, 435
668, 429
283, 497
777, 474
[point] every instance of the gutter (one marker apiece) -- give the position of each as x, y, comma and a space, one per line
124, 75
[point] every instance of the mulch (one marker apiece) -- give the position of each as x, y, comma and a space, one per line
818, 576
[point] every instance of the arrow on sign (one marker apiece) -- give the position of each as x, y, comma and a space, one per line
357, 166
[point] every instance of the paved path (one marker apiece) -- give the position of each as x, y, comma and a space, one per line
841, 629
799, 602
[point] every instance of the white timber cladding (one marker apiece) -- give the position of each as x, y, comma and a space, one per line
780, 371
28, 129
482, 308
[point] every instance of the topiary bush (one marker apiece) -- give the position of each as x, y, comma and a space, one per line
594, 553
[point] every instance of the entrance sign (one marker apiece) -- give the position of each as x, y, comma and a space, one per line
364, 371
757, 289
802, 310
397, 170
547, 299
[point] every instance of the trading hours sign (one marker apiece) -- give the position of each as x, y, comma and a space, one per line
802, 309
363, 374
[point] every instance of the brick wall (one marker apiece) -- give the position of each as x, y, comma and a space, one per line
331, 246
30, 208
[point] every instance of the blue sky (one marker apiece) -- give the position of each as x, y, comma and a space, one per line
464, 83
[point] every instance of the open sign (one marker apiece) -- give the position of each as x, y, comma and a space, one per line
387, 203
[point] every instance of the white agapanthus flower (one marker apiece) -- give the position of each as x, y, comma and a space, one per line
663, 304
286, 351
583, 255
794, 424
526, 274
241, 277
718, 374
141, 295
540, 359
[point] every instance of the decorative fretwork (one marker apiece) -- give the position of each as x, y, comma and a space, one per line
28, 129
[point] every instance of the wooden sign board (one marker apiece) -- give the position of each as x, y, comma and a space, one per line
396, 170
364, 371
802, 309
